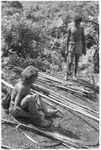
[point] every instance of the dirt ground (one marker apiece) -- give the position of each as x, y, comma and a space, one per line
73, 125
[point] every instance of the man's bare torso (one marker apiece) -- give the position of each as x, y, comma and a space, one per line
76, 34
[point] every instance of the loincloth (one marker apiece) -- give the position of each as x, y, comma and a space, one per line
75, 48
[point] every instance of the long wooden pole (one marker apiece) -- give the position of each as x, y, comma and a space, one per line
55, 94
74, 104
68, 110
69, 107
65, 138
5, 147
54, 79
66, 141
72, 88
61, 103
69, 102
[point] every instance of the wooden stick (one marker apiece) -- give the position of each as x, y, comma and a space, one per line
10, 85
7, 84
53, 78
36, 142
74, 103
55, 135
61, 102
9, 122
69, 87
64, 104
66, 99
41, 74
15, 124
47, 102
71, 90
69, 107
49, 77
5, 147
65, 140
75, 106
27, 136
85, 121
65, 83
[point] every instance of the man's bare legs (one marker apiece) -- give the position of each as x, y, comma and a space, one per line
70, 58
76, 65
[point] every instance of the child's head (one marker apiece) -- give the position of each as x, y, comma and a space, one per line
30, 74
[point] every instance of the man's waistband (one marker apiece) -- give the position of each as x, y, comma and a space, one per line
73, 42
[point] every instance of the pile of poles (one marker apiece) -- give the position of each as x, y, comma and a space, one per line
56, 100
74, 87
64, 101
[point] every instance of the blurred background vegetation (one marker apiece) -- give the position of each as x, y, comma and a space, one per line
37, 35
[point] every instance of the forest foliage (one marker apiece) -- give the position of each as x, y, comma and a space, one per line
37, 35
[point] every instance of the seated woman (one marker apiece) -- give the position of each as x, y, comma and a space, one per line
27, 105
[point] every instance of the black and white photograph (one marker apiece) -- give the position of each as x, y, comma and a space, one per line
50, 86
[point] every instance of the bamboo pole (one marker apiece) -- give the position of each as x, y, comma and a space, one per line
48, 102
56, 94
92, 126
5, 147
49, 77
7, 84
76, 106
36, 142
66, 141
61, 100
71, 101
57, 103
66, 99
69, 107
17, 124
63, 104
73, 106
69, 87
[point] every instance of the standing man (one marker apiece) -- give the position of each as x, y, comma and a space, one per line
75, 45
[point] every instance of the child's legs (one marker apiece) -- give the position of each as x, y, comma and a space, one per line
44, 108
28, 103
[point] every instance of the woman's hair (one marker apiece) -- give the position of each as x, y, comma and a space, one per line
77, 18
29, 72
